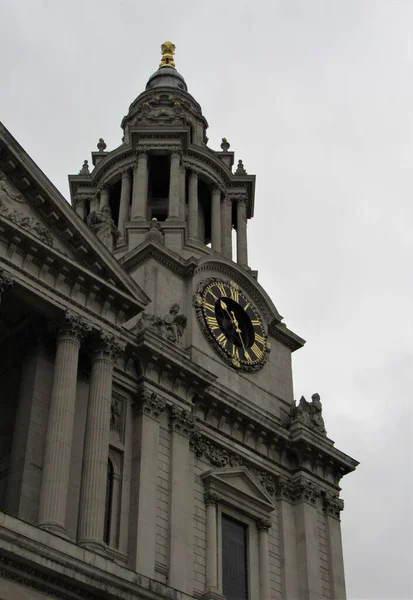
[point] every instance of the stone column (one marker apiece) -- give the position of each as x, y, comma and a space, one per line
182, 194
125, 195
216, 220
6, 282
263, 525
181, 502
242, 249
226, 231
140, 188
95, 454
193, 206
104, 197
333, 506
174, 185
211, 501
144, 480
58, 448
288, 542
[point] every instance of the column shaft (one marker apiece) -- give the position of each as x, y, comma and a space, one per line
174, 185
265, 593
193, 206
58, 448
80, 208
182, 194
216, 220
336, 563
125, 195
211, 542
95, 454
242, 248
104, 197
226, 231
140, 188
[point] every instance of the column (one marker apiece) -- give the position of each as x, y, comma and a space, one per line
263, 525
95, 454
80, 207
211, 501
58, 448
288, 545
333, 506
242, 250
104, 197
216, 220
174, 185
181, 502
144, 480
125, 194
193, 206
140, 188
308, 553
6, 282
226, 231
182, 194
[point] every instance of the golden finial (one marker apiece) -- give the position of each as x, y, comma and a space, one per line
168, 51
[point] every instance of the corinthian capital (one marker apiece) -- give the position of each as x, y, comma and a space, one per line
211, 498
72, 324
182, 420
108, 346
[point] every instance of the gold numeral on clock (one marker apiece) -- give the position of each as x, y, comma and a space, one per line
235, 352
255, 322
235, 294
222, 289
209, 306
212, 294
247, 356
221, 339
257, 350
212, 323
259, 338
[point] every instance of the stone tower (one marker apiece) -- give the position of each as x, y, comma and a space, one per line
150, 444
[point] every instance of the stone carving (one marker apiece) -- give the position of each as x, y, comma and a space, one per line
171, 327
182, 420
305, 490
332, 504
108, 345
72, 324
211, 499
225, 145
240, 168
309, 413
102, 224
116, 415
28, 223
196, 443
6, 282
101, 146
85, 168
8, 191
152, 404
155, 232
263, 524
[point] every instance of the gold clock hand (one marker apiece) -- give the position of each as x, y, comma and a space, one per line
237, 329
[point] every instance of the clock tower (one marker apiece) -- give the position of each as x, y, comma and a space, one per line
188, 469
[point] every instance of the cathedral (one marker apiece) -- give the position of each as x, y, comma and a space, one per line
150, 444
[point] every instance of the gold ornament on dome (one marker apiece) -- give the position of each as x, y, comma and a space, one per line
168, 51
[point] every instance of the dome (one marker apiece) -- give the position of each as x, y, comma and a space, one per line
166, 77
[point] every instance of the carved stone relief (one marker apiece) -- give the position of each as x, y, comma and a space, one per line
102, 224
171, 326
28, 223
309, 413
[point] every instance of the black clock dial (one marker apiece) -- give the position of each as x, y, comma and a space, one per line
232, 324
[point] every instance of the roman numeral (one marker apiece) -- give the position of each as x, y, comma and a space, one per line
235, 294
257, 350
247, 356
255, 322
235, 352
209, 306
222, 289
259, 338
212, 323
221, 339
212, 294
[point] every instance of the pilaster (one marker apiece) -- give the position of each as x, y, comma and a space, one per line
226, 231
144, 474
242, 247
193, 206
211, 587
104, 196
332, 506
125, 196
174, 187
263, 525
181, 502
140, 188
216, 220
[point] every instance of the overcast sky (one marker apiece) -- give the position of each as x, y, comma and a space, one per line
316, 97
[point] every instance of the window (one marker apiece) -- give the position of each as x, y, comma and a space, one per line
109, 501
234, 559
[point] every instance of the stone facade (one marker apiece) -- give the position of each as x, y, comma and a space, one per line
124, 435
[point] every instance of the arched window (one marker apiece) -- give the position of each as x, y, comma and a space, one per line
108, 506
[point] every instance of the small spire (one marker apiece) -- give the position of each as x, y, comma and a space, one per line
85, 169
101, 145
168, 51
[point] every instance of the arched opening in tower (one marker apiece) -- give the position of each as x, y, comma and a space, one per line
158, 186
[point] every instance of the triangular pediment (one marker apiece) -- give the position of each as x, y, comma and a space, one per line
31, 203
236, 486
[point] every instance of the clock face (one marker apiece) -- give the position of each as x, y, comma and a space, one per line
232, 324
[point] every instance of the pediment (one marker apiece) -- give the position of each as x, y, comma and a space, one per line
236, 487
30, 202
